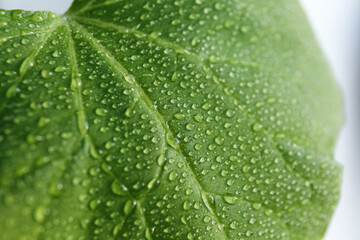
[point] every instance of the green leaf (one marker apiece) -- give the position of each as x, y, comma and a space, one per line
186, 119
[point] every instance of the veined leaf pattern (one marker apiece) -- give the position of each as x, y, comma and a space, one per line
185, 119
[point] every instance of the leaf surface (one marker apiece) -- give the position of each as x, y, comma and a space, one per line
184, 119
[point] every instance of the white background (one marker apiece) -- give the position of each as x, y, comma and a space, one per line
337, 26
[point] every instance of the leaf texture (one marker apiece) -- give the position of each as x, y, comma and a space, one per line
156, 119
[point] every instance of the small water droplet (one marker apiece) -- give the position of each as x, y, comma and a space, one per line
118, 189
252, 221
230, 113
151, 183
233, 225
161, 159
246, 168
128, 207
206, 106
256, 206
46, 73
40, 213
198, 117
179, 116
101, 112
219, 140
257, 127
230, 182
118, 227
187, 205
172, 176
230, 199
207, 219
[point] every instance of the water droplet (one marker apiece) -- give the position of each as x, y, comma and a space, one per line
56, 188
101, 112
37, 17
230, 182
179, 116
188, 191
46, 73
190, 236
151, 183
93, 204
256, 206
219, 140
268, 212
11, 91
206, 106
187, 205
246, 168
148, 234
207, 219
118, 227
189, 126
118, 189
176, 22
3, 23
161, 159
40, 213
172, 176
17, 14
230, 199
230, 113
198, 117
129, 205
109, 145
252, 221
257, 127
219, 6
56, 53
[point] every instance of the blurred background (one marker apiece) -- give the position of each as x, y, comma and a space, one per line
337, 27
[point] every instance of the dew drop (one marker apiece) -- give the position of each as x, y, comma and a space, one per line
172, 176
257, 127
219, 140
233, 225
148, 234
207, 219
118, 189
17, 15
118, 227
206, 106
186, 205
190, 236
256, 206
40, 213
230, 113
151, 183
252, 221
246, 168
198, 117
129, 205
101, 112
46, 73
230, 199
230, 182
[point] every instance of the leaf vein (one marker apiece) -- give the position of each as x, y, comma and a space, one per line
131, 79
25, 66
183, 51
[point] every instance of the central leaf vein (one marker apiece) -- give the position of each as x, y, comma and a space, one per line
175, 144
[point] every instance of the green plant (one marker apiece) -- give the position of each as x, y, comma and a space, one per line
184, 119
